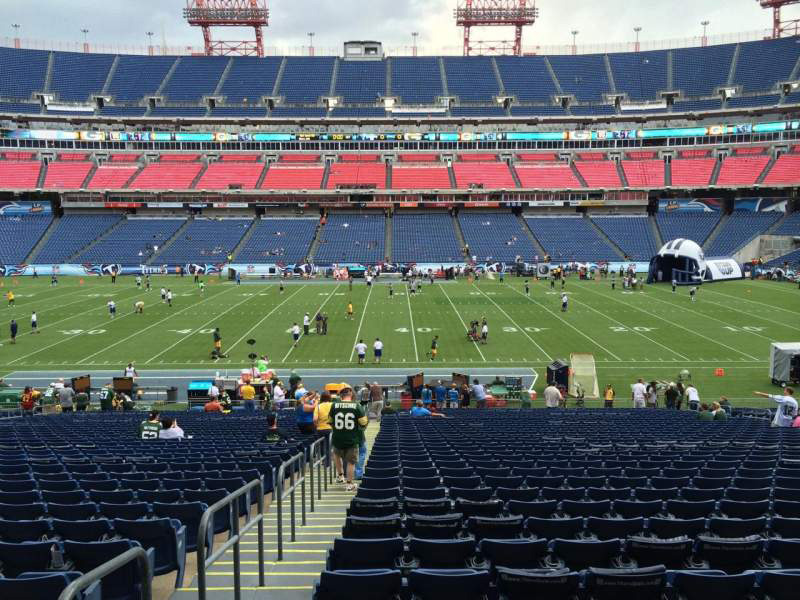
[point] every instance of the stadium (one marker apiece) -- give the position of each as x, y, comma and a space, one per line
499, 322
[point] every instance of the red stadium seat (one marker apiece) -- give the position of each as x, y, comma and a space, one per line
599, 173
491, 175
741, 170
166, 176
293, 178
67, 174
112, 176
420, 178
220, 175
19, 174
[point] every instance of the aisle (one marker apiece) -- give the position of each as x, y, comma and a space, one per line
294, 577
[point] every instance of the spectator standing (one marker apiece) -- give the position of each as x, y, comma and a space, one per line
304, 411
453, 396
704, 414
278, 395
479, 394
322, 412
787, 407
346, 417
376, 400
65, 397
13, 329
652, 394
295, 334
552, 396
130, 371
440, 393
639, 394
248, 395
692, 397
28, 400
671, 395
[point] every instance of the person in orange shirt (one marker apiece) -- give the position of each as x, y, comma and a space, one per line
213, 405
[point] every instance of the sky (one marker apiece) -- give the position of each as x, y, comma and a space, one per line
124, 22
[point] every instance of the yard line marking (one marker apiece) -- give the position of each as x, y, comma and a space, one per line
775, 288
167, 318
530, 299
620, 323
460, 319
729, 297
331, 295
68, 337
730, 308
521, 329
413, 333
203, 326
264, 318
361, 321
674, 324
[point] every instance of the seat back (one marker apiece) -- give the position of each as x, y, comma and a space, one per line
94, 530
524, 584
371, 584
626, 584
365, 554
441, 554
435, 584
648, 552
697, 585
514, 553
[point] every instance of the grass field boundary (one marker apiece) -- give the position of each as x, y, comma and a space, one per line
567, 323
264, 318
718, 319
411, 317
203, 326
797, 314
140, 331
361, 322
519, 328
674, 324
458, 314
321, 306
620, 323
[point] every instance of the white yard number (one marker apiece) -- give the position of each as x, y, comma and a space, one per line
745, 328
80, 331
345, 421
625, 329
510, 329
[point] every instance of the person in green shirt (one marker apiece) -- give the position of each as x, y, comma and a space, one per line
149, 429
347, 418
719, 413
107, 398
704, 414
262, 363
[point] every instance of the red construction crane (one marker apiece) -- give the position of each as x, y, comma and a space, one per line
779, 26
229, 13
492, 13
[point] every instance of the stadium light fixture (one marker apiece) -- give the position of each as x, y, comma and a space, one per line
575, 33
85, 33
637, 46
704, 40
414, 45
16, 34
311, 43
149, 34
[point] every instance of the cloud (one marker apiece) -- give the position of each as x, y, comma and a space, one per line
121, 22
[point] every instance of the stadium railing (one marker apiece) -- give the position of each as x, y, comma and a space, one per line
139, 555
231, 503
318, 455
296, 467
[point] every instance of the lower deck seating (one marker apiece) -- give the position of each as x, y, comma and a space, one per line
133, 242
634, 235
19, 235
352, 238
424, 237
279, 241
739, 229
205, 241
73, 232
570, 238
495, 237
695, 226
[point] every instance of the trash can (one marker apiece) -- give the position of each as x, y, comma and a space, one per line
172, 395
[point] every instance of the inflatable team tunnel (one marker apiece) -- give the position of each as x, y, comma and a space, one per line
684, 261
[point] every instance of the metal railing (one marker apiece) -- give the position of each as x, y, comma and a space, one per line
231, 502
319, 459
96, 574
296, 467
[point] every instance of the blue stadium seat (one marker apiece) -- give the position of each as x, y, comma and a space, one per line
349, 554
443, 526
95, 530
548, 584
45, 586
16, 558
785, 551
372, 528
167, 537
441, 553
189, 515
695, 585
369, 584
434, 584
24, 531
729, 555
497, 528
647, 583
582, 554
779, 585
551, 529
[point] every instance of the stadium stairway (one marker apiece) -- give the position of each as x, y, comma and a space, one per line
200, 173
263, 176
452, 174
539, 248
325, 175
715, 173
602, 233
294, 577
388, 179
387, 244
514, 173
668, 173
656, 232
42, 176
621, 172
772, 160
178, 235
577, 173
42, 241
462, 243
104, 235
312, 250
715, 232
89, 175
247, 235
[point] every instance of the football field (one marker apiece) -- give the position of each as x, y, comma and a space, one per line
653, 334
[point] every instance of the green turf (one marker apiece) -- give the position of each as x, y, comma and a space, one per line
652, 334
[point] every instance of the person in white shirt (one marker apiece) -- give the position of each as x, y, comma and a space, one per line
377, 349
552, 396
639, 393
361, 350
278, 394
138, 281
169, 297
564, 302
130, 371
787, 407
306, 323
112, 308
170, 429
163, 295
295, 333
213, 392
34, 323
692, 397
485, 333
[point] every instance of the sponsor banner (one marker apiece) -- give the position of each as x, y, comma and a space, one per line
589, 203
643, 106
122, 204
197, 205
760, 204
203, 269
71, 108
12, 209
546, 203
725, 268
689, 205
165, 205
230, 205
